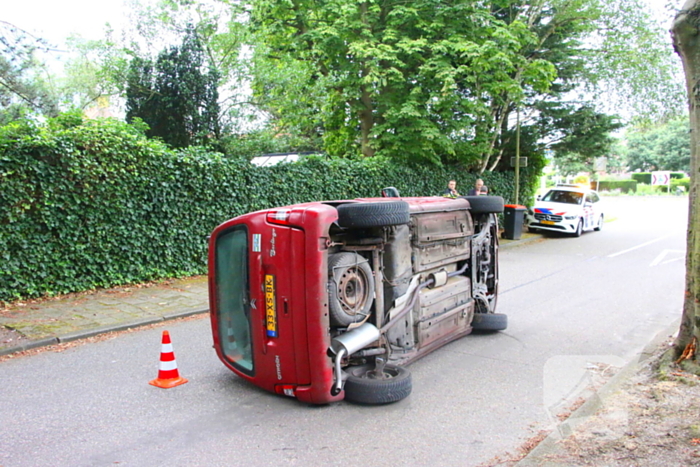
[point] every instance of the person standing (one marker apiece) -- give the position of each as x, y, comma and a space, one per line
451, 191
478, 188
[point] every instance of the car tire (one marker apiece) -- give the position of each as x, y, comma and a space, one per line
363, 388
490, 322
363, 215
579, 228
351, 288
599, 226
485, 204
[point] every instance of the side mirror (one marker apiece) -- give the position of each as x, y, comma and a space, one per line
390, 192
539, 197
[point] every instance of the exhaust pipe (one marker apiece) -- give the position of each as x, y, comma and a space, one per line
349, 343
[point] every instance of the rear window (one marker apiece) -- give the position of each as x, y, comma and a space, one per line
232, 298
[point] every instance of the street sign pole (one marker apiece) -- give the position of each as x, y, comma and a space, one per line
517, 157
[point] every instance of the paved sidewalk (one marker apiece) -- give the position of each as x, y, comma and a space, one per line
34, 323
77, 316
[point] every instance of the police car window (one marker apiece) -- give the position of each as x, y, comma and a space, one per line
568, 197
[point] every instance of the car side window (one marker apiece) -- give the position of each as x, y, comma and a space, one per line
595, 196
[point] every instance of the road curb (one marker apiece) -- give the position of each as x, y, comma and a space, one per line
544, 455
505, 243
29, 345
184, 314
84, 334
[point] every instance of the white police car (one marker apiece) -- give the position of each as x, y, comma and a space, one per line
568, 209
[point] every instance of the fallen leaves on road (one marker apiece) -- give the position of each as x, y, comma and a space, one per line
689, 351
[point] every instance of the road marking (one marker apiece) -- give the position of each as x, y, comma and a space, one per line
638, 246
658, 260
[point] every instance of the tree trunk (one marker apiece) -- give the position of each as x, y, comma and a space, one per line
366, 123
366, 114
686, 41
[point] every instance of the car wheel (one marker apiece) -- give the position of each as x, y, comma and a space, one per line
485, 204
362, 215
351, 288
579, 228
490, 322
363, 385
600, 224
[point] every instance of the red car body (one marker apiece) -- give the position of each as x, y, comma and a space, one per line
284, 321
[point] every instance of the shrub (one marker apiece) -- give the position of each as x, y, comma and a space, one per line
625, 186
642, 177
96, 204
680, 182
645, 177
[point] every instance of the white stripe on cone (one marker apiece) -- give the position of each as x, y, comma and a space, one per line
167, 366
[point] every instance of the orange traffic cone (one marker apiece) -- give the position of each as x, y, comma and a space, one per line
168, 376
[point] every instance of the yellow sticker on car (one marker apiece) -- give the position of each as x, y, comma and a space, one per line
270, 306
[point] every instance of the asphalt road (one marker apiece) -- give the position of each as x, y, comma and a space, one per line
578, 309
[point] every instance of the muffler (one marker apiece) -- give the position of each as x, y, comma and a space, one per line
349, 343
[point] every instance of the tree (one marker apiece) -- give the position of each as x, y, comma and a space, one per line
442, 81
662, 147
176, 96
603, 51
632, 62
96, 71
578, 135
394, 73
26, 86
686, 39
220, 28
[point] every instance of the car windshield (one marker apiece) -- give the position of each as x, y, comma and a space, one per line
568, 197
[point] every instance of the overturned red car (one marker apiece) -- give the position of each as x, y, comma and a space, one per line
330, 300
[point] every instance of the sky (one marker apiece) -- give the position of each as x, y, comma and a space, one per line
55, 20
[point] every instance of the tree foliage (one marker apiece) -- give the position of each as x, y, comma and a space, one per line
579, 135
25, 84
663, 147
95, 74
411, 80
221, 31
176, 96
442, 81
632, 65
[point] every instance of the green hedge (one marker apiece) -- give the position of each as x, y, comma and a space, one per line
676, 183
625, 186
96, 204
680, 182
645, 177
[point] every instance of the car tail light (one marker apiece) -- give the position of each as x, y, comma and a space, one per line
278, 217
